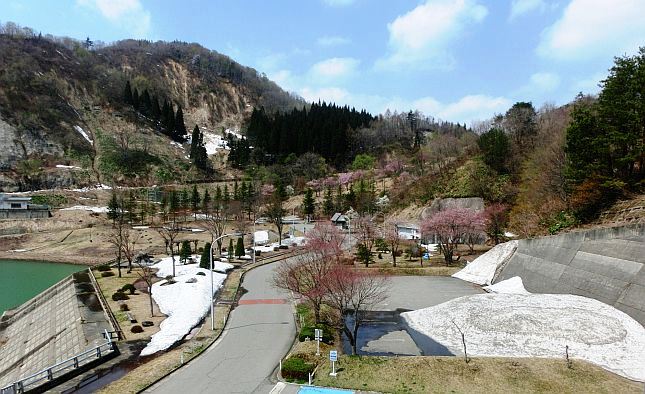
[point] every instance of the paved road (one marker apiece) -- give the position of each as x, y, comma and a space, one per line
259, 332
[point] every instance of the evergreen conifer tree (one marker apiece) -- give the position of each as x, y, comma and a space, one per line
195, 200
205, 260
239, 248
185, 251
179, 133
309, 204
206, 202
127, 93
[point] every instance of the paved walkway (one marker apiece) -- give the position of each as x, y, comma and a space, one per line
259, 333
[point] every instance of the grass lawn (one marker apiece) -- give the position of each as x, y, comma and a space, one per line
481, 375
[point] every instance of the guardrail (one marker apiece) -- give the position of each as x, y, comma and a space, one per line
63, 367
106, 308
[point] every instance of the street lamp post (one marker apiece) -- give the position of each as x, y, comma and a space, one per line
212, 282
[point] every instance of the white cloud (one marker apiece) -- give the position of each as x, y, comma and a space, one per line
334, 68
589, 85
522, 7
467, 109
595, 28
540, 83
338, 3
422, 37
127, 14
332, 41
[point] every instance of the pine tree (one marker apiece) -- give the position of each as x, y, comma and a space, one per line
113, 209
205, 260
195, 200
127, 93
230, 250
135, 99
180, 132
328, 203
206, 202
239, 248
309, 204
185, 251
155, 111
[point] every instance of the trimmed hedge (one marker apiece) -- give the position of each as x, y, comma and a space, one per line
136, 329
103, 268
129, 287
295, 368
119, 296
107, 274
308, 331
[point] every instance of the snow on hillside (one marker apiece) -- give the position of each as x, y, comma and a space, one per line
535, 325
214, 142
86, 208
482, 269
183, 302
63, 166
83, 133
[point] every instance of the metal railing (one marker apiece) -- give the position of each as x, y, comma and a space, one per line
61, 368
106, 308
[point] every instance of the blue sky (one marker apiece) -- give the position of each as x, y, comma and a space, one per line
458, 60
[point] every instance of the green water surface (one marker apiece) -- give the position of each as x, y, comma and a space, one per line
22, 280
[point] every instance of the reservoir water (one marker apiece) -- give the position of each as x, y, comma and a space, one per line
22, 280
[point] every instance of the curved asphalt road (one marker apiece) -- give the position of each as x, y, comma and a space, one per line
259, 332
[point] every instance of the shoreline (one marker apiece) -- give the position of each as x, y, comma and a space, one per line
46, 258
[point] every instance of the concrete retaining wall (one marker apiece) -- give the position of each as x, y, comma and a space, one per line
605, 264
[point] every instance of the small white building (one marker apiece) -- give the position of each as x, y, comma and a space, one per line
8, 201
408, 230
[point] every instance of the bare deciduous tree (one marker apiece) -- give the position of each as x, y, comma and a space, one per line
146, 274
391, 235
215, 225
169, 235
350, 293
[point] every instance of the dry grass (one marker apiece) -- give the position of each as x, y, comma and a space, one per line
139, 304
481, 375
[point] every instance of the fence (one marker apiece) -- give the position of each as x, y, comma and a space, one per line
57, 370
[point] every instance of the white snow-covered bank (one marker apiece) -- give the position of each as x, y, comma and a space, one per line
482, 270
293, 241
86, 208
183, 302
512, 285
535, 325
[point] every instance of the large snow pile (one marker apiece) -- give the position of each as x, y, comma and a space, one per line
261, 237
482, 270
293, 241
184, 303
512, 285
536, 325
86, 208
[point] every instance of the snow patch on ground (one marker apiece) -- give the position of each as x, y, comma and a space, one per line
86, 208
512, 285
261, 237
184, 303
98, 186
213, 142
536, 325
482, 270
83, 133
293, 241
177, 144
68, 167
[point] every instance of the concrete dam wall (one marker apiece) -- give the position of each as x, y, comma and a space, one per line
606, 264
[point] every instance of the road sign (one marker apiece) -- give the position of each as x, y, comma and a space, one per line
318, 334
426, 256
333, 355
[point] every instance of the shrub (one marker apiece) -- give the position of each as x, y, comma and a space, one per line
147, 323
103, 268
136, 329
129, 287
107, 274
295, 368
201, 273
308, 331
119, 296
124, 307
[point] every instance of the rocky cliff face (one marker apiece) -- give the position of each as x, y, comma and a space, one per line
50, 90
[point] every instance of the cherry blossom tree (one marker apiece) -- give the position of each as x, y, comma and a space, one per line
451, 227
